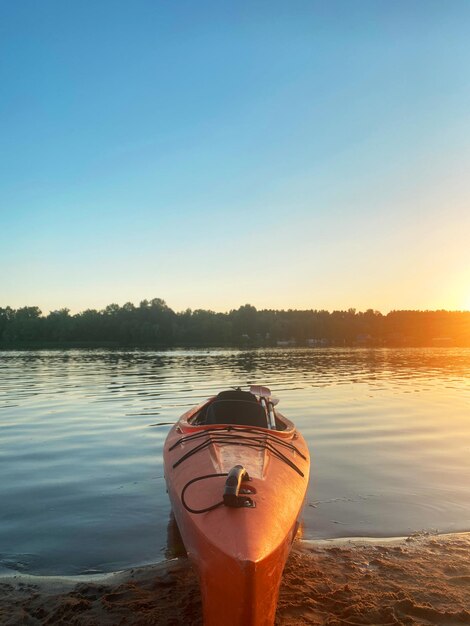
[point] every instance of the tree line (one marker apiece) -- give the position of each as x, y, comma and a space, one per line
153, 323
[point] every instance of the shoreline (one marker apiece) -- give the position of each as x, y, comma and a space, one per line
181, 561
422, 579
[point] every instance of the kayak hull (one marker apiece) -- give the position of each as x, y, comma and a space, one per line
239, 553
236, 592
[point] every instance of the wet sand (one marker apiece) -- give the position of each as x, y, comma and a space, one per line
420, 580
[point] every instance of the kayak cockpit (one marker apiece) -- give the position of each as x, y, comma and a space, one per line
237, 408
234, 407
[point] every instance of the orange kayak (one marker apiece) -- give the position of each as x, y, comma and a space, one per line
237, 473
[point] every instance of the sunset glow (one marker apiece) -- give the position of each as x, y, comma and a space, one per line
216, 155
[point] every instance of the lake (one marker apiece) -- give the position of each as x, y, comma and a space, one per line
82, 432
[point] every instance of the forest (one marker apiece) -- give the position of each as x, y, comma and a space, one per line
152, 323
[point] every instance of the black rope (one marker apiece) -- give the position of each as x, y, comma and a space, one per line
264, 437
214, 436
229, 429
208, 508
208, 431
250, 442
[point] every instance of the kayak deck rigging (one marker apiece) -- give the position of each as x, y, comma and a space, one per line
235, 436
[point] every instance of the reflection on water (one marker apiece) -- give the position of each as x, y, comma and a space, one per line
81, 436
174, 542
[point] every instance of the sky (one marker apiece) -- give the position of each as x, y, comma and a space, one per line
309, 155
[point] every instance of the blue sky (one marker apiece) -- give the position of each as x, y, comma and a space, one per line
289, 155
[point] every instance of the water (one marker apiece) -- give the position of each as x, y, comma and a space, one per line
81, 436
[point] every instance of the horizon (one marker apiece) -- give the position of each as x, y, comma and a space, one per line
356, 310
221, 154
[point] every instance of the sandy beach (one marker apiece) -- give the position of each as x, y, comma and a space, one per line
418, 580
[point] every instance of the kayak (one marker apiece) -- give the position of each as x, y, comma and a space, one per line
237, 472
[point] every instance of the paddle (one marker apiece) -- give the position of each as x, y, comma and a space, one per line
264, 392
265, 396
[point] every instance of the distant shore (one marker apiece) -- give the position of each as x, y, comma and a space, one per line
114, 345
420, 580
153, 323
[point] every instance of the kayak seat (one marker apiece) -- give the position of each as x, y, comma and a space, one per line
236, 412
236, 407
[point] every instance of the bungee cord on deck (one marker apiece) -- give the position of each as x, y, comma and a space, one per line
231, 436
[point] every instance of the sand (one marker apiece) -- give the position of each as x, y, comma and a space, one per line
422, 580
